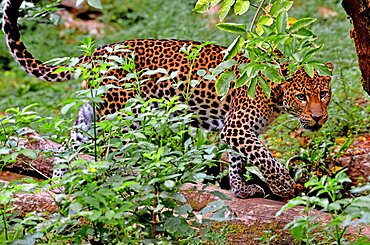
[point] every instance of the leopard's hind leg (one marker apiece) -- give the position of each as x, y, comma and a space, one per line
83, 124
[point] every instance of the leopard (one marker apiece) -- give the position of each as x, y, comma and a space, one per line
238, 118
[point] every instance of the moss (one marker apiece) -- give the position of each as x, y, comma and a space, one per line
241, 233
198, 200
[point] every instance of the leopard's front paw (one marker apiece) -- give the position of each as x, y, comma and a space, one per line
243, 190
281, 185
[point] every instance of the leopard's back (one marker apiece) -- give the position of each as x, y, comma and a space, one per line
189, 83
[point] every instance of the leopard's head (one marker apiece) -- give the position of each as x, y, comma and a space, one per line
307, 98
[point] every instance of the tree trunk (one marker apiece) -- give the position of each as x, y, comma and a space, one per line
359, 11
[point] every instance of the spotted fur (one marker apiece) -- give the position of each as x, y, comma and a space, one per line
239, 119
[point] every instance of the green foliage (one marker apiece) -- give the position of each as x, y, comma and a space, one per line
191, 53
327, 197
39, 12
17, 122
154, 162
240, 7
130, 192
313, 161
277, 43
267, 238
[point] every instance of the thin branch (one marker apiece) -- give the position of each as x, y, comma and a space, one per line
256, 15
35, 169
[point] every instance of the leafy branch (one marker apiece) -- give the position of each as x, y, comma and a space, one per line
273, 42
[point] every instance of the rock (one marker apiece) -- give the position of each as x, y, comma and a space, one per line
42, 166
357, 160
254, 216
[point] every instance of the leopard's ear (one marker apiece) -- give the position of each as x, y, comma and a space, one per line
330, 65
284, 70
284, 85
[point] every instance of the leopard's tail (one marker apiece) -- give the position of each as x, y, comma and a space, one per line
19, 51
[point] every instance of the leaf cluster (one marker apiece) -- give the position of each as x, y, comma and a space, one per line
275, 44
328, 197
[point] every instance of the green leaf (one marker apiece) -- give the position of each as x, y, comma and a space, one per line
309, 69
291, 204
79, 2
201, 6
252, 88
153, 72
169, 184
321, 68
301, 23
297, 232
110, 214
178, 226
223, 214
232, 27
281, 21
242, 80
94, 215
212, 207
95, 4
184, 209
214, 2
4, 151
54, 18
272, 74
225, 8
254, 170
223, 83
241, 6
279, 6
223, 66
263, 21
29, 153
265, 86
221, 195
342, 177
67, 107
305, 32
201, 72
334, 206
311, 52
234, 48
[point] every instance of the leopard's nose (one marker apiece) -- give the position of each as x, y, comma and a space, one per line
316, 117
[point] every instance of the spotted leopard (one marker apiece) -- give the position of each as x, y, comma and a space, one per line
238, 118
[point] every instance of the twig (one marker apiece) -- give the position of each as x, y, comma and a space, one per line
256, 15
35, 169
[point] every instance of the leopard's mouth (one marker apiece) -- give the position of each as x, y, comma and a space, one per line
315, 127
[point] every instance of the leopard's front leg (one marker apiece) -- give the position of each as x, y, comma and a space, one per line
238, 186
244, 140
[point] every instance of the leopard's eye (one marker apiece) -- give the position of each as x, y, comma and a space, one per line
301, 97
323, 94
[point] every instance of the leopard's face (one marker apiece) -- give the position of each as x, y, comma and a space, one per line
307, 98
